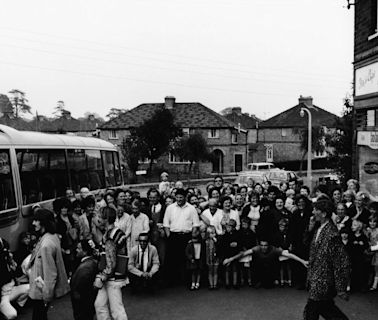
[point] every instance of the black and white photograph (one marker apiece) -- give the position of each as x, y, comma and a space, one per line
189, 160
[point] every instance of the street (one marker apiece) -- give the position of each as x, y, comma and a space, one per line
246, 303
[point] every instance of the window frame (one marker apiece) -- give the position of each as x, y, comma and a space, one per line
213, 134
172, 159
113, 135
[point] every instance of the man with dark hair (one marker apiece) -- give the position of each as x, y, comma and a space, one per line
179, 220
47, 278
83, 294
329, 267
85, 220
143, 264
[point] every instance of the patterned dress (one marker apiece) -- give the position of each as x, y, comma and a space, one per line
212, 258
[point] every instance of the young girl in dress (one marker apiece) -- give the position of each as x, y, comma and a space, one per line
372, 234
212, 259
195, 253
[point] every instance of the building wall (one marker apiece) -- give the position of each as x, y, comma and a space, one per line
223, 143
365, 25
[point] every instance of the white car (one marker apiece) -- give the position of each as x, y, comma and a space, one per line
260, 166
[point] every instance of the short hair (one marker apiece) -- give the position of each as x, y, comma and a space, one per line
324, 205
87, 202
245, 220
144, 234
373, 206
181, 192
218, 177
231, 223
46, 219
306, 188
283, 221
136, 203
117, 192
224, 199
153, 190
273, 189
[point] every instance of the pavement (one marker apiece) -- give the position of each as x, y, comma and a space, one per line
246, 303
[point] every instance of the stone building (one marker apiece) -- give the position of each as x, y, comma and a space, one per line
226, 141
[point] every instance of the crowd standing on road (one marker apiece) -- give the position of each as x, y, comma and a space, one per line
256, 235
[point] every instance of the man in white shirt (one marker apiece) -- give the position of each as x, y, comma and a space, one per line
213, 216
139, 223
143, 264
179, 220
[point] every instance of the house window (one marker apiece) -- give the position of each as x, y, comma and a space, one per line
370, 118
269, 152
213, 133
113, 135
185, 131
176, 159
283, 132
322, 154
234, 138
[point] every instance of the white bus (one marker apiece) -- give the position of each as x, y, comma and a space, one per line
38, 167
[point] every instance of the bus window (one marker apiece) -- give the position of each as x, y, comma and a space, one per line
43, 174
95, 170
109, 168
117, 169
77, 169
7, 194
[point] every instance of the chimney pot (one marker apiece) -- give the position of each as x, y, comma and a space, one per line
237, 110
169, 102
306, 100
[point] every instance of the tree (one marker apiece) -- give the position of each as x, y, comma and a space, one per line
59, 109
19, 102
115, 112
192, 148
5, 105
156, 134
318, 143
342, 142
132, 151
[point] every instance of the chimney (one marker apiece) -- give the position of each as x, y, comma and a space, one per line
169, 102
237, 110
91, 117
66, 114
306, 100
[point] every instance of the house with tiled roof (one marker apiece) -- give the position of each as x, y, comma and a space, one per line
85, 127
226, 141
279, 137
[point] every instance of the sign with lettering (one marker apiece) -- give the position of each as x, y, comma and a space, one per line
367, 79
368, 138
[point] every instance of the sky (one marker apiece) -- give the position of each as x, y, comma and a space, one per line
260, 55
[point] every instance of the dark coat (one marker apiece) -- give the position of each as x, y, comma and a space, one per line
192, 263
329, 266
83, 294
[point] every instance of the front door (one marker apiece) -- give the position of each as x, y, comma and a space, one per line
238, 162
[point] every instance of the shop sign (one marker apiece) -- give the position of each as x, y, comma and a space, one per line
368, 138
367, 79
371, 167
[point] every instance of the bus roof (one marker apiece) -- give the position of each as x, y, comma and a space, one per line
13, 137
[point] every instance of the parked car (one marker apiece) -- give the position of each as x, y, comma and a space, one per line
260, 166
278, 176
244, 176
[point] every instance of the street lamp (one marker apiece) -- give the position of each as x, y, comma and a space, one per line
309, 151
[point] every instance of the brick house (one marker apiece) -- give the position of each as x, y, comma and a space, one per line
279, 138
366, 95
226, 141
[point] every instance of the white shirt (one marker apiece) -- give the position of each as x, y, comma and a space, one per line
139, 225
145, 258
156, 208
215, 220
181, 219
234, 216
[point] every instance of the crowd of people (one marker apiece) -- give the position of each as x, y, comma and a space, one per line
256, 235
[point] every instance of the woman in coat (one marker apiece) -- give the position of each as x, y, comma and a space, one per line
48, 278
